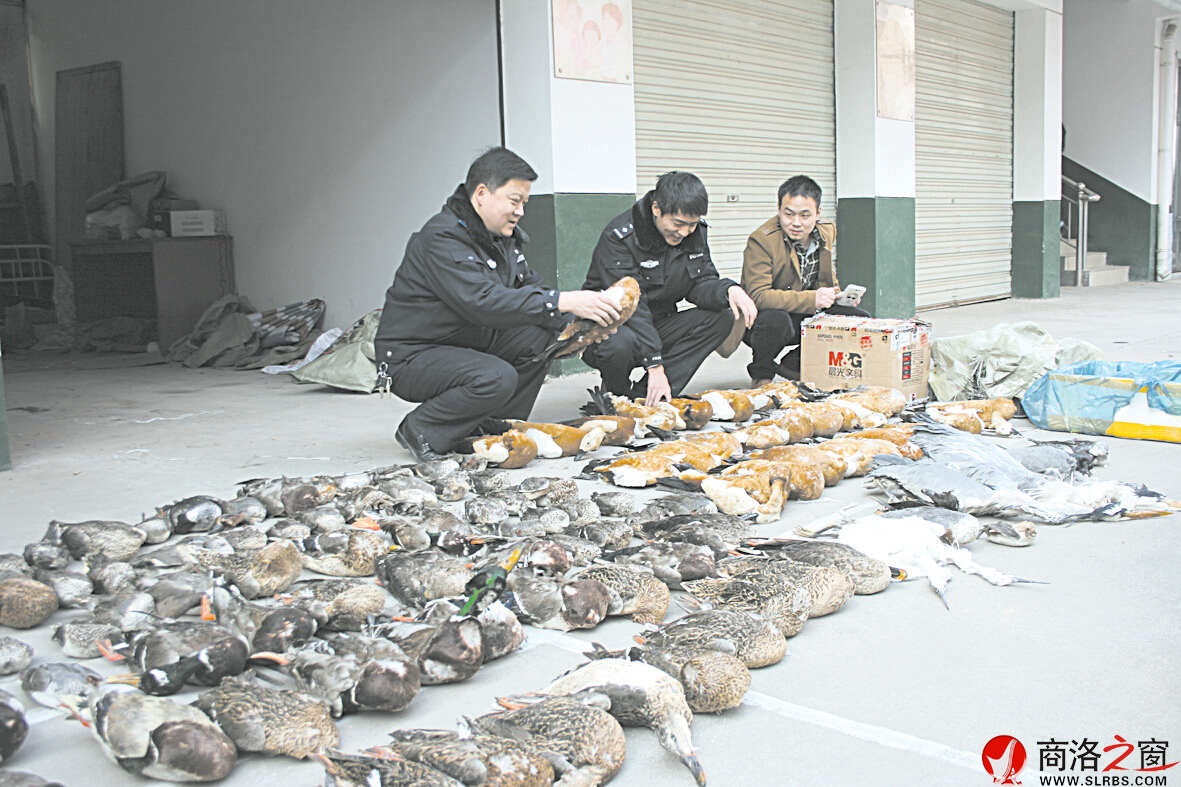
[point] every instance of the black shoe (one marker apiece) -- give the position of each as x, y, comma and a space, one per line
415, 444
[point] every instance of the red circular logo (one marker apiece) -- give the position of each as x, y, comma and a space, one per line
1003, 758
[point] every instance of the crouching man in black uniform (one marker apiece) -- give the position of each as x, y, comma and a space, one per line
662, 242
466, 315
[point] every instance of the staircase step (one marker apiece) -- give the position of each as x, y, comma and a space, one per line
1098, 276
1095, 259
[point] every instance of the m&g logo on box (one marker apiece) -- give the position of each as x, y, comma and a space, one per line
844, 365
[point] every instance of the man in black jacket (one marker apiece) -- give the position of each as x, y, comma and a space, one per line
662, 242
466, 315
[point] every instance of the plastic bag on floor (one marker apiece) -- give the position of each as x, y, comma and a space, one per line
1120, 399
348, 364
1003, 360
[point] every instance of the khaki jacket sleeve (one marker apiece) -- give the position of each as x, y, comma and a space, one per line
758, 268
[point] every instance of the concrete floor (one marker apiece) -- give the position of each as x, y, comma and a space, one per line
892, 690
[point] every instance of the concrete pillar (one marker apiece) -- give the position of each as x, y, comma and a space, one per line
1037, 152
875, 152
580, 137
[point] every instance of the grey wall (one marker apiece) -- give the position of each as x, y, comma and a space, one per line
327, 131
1109, 87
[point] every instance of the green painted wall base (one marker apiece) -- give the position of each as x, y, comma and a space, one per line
1121, 224
875, 248
5, 457
1036, 254
563, 230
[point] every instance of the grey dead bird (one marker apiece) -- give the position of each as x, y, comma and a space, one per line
868, 575
79, 639
25, 602
474, 759
272, 721
114, 540
360, 770
198, 513
15, 655
635, 591
746, 635
128, 610
414, 578
57, 683
577, 735
713, 680
829, 588
641, 696
784, 605
673, 562
556, 602
446, 652
73, 588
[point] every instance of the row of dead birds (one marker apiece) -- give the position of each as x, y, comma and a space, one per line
334, 648
554, 559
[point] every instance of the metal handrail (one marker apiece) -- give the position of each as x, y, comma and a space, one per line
1077, 193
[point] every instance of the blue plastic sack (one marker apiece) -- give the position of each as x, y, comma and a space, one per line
1098, 397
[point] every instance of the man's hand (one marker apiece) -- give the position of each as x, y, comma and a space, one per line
598, 307
658, 387
742, 306
826, 296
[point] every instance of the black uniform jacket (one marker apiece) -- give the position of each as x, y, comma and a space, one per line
458, 283
632, 246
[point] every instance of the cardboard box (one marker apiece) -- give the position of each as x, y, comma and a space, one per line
161, 207
188, 223
845, 352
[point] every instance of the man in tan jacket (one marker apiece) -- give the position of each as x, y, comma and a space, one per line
789, 272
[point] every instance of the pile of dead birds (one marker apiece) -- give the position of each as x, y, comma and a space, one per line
302, 600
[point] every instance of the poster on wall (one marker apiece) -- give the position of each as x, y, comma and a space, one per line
593, 40
896, 66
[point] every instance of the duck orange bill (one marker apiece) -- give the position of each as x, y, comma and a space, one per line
207, 613
267, 655
75, 715
366, 523
108, 650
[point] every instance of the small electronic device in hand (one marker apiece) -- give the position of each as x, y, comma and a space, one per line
851, 295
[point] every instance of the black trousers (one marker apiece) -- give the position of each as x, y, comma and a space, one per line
775, 329
460, 386
687, 338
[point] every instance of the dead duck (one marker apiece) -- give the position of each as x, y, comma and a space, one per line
557, 603
759, 494
271, 721
720, 532
748, 636
617, 429
672, 562
14, 728
581, 333
176, 593
335, 678
613, 534
337, 604
159, 739
617, 504
785, 606
25, 603
868, 575
805, 478
263, 573
129, 610
729, 405
15, 655
713, 681
584, 743
641, 696
360, 770
348, 553
414, 578
447, 652
58, 684
79, 639
829, 588
112, 577
115, 540
72, 587
388, 678
509, 451
488, 760
696, 413
639, 593
557, 440
198, 513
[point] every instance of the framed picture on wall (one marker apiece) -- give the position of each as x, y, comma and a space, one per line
593, 40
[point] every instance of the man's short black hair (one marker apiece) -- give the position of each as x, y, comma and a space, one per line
681, 192
495, 167
799, 186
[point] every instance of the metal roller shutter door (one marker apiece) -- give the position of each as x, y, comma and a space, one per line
963, 152
710, 82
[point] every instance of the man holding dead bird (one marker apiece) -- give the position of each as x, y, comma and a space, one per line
466, 321
661, 242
